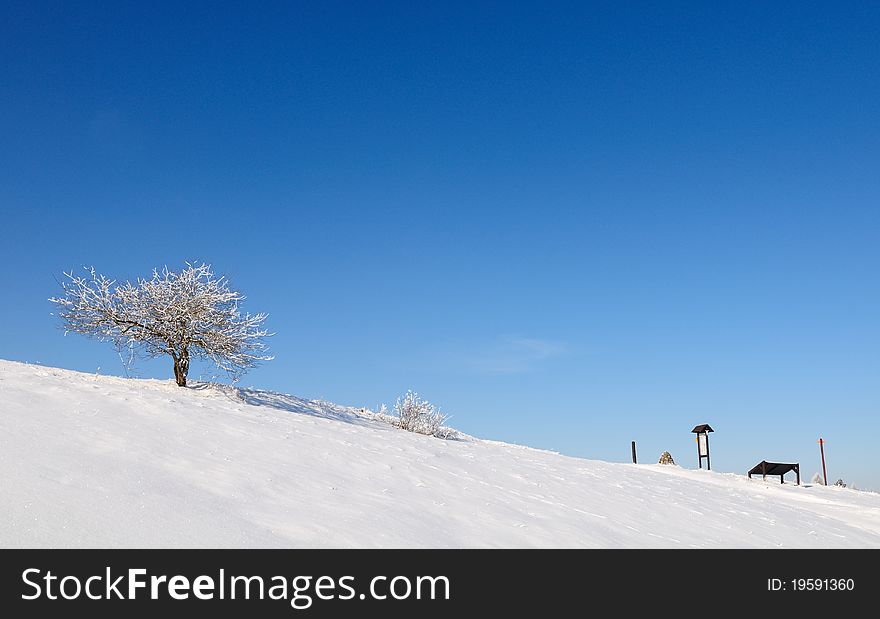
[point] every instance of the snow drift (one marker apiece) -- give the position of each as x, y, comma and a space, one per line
95, 461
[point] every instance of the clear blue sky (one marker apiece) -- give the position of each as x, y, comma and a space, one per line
571, 225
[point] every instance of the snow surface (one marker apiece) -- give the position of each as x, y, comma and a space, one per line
95, 461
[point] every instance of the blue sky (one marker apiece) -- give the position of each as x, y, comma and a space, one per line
572, 225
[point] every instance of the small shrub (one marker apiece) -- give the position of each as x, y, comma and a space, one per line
666, 458
417, 415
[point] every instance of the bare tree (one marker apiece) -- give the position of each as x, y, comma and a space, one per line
190, 314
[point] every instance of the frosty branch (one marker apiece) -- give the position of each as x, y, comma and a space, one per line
185, 315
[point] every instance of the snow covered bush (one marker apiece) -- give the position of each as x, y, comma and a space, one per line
417, 415
188, 314
666, 458
381, 414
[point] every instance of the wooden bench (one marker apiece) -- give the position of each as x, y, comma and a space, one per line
776, 468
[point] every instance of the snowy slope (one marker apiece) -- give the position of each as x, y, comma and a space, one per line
98, 461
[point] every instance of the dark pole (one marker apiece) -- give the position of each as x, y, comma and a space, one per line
822, 451
708, 464
634, 452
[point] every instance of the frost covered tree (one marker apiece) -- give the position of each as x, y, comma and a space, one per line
185, 315
418, 415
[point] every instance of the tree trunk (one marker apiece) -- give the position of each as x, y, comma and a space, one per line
181, 368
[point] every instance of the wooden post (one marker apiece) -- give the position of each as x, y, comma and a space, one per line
708, 463
634, 452
764, 469
822, 451
797, 470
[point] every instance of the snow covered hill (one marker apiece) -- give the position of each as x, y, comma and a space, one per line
95, 461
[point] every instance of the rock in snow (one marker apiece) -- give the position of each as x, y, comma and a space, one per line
94, 461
